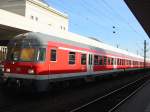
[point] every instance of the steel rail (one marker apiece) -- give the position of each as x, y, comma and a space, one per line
108, 94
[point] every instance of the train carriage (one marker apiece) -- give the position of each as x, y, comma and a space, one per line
39, 59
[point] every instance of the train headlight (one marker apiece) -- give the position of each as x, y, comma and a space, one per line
2, 69
30, 71
7, 69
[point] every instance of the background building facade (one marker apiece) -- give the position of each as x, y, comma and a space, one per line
18, 16
38, 11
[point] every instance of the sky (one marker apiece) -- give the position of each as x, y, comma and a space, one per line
110, 21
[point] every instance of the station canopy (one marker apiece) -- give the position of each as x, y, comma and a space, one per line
7, 32
141, 8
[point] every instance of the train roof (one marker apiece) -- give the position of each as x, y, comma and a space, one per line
45, 37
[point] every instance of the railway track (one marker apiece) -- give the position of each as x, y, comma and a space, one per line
112, 100
51, 102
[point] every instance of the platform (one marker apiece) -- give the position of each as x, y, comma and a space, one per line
140, 102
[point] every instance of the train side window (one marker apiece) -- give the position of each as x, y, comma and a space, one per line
95, 59
100, 60
112, 61
129, 62
118, 62
41, 54
83, 59
109, 61
121, 62
71, 57
105, 60
53, 55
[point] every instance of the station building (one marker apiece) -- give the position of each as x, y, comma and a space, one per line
20, 16
38, 11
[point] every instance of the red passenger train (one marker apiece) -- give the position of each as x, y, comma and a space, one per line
41, 59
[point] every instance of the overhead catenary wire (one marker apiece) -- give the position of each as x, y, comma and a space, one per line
96, 23
111, 15
122, 18
96, 14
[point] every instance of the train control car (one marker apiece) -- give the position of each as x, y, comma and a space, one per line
41, 59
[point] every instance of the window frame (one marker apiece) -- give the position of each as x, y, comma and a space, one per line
37, 57
112, 61
84, 59
105, 60
51, 55
101, 59
96, 61
109, 61
74, 61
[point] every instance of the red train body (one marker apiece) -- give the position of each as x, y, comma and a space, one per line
40, 58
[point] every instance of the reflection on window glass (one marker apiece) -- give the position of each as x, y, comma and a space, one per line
109, 61
95, 59
100, 60
15, 52
105, 60
53, 55
71, 57
83, 59
27, 54
112, 61
41, 54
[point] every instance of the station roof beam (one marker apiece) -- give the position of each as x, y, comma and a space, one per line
141, 8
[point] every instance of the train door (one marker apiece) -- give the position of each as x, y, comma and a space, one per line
90, 63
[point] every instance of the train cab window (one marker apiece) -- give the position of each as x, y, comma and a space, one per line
100, 60
83, 59
105, 60
72, 57
14, 54
41, 54
27, 54
53, 55
95, 59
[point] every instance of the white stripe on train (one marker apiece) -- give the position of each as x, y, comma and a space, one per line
61, 76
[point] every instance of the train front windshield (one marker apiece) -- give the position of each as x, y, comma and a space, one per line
25, 50
21, 54
26, 54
